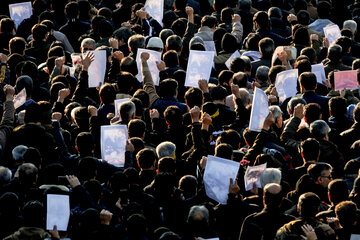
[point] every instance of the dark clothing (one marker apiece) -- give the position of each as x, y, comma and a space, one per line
103, 111
330, 154
73, 30
146, 177
278, 40
349, 136
38, 50
312, 97
260, 62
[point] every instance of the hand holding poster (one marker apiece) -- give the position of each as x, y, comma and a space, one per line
286, 83
332, 33
118, 102
20, 11
218, 172
97, 69
199, 67
155, 8
319, 71
154, 57
236, 54
345, 80
58, 212
259, 110
20, 98
113, 144
252, 175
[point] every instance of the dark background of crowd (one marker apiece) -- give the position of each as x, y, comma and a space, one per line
51, 144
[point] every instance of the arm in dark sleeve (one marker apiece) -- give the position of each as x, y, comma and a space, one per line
257, 147
7, 121
81, 88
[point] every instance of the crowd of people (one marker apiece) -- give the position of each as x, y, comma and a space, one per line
51, 142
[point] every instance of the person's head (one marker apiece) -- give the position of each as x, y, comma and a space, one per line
33, 113
33, 214
308, 205
338, 191
266, 47
270, 175
350, 24
338, 107
224, 150
310, 150
320, 172
173, 116
188, 184
224, 77
87, 44
356, 113
107, 93
312, 112
273, 195
72, 10
237, 65
356, 66
346, 212
320, 130
226, 15
209, 21
85, 143
307, 82
106, 12
179, 27
143, 96
174, 42
106, 29
135, 42
228, 43
261, 20
303, 17
52, 172
292, 104
165, 33
7, 26
81, 116
335, 53
301, 36
310, 53
166, 149
277, 114
125, 82
136, 128
5, 175
193, 97
166, 164
273, 72
168, 88
155, 44
198, 215
218, 93
261, 74
122, 35
146, 159
252, 43
171, 58
28, 174
345, 43
127, 111
39, 32
274, 12
323, 9
240, 79
303, 65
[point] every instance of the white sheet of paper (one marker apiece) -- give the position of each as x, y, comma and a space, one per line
259, 110
332, 33
210, 46
20, 11
156, 9
20, 98
355, 237
113, 144
319, 71
97, 69
58, 211
218, 172
252, 175
117, 105
236, 54
154, 57
285, 84
199, 67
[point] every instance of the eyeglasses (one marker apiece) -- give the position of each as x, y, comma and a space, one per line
88, 49
328, 177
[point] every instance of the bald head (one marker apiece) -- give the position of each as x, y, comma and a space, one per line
272, 195
241, 79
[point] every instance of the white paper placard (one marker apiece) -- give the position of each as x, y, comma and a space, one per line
332, 33
252, 175
20, 11
259, 110
199, 67
20, 98
218, 172
319, 71
154, 57
118, 102
210, 46
345, 80
97, 68
236, 54
113, 144
355, 237
58, 211
279, 49
156, 9
286, 83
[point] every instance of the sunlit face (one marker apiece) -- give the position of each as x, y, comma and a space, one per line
325, 178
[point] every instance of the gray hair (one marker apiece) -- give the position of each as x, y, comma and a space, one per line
135, 42
127, 110
88, 41
165, 149
198, 212
270, 175
262, 73
319, 129
292, 104
350, 24
276, 111
18, 152
5, 175
244, 96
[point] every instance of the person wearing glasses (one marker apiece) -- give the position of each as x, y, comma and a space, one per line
320, 173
